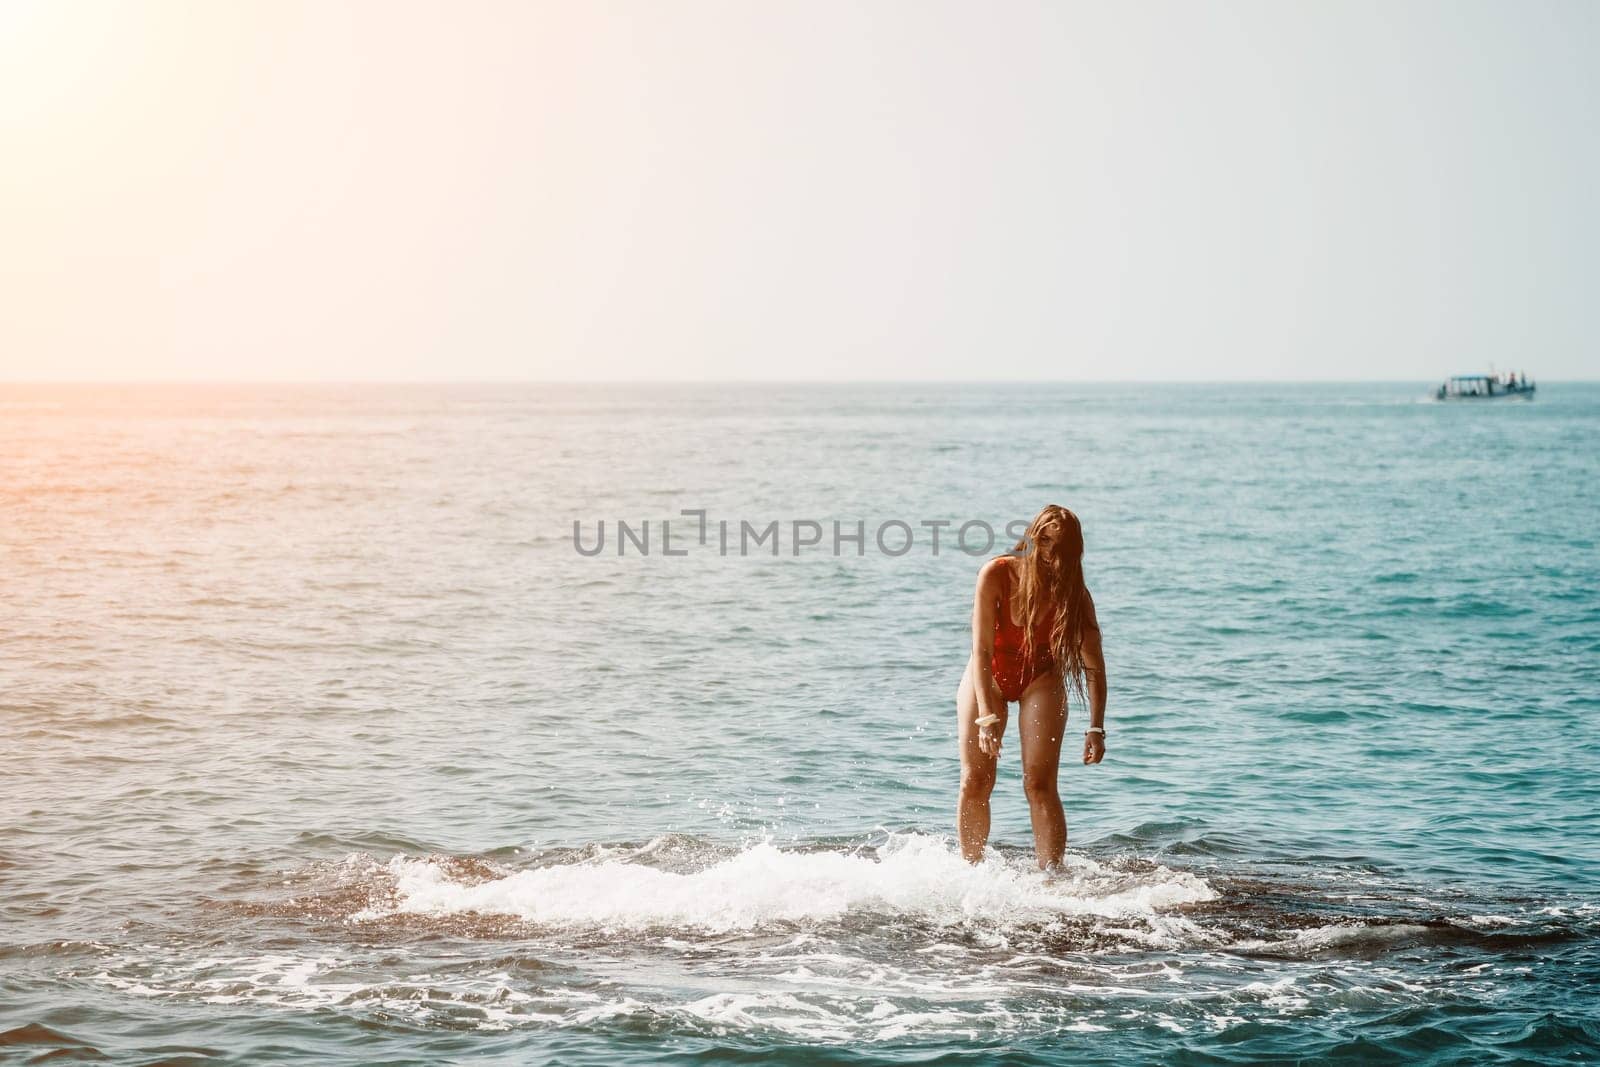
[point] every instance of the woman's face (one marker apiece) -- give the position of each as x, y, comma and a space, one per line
1047, 540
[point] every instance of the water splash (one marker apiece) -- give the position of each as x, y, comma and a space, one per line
912, 876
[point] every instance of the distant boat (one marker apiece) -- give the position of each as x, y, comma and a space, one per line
1486, 387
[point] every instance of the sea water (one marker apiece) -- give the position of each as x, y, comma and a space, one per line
324, 741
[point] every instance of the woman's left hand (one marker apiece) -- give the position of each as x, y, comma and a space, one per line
1094, 748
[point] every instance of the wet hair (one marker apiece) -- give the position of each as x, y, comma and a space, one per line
1052, 593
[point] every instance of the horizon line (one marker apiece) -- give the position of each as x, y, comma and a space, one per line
267, 382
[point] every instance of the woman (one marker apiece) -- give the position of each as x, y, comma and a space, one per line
1034, 636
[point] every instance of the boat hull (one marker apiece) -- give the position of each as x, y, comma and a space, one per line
1499, 394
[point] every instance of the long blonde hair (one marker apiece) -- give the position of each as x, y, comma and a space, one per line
1051, 591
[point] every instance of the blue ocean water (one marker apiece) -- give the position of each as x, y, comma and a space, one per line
325, 743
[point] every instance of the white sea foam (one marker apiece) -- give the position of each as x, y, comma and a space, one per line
1317, 939
911, 875
994, 949
1339, 934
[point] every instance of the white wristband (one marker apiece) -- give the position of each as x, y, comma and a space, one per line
1101, 730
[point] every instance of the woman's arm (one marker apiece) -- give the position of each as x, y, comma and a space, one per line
1094, 677
984, 601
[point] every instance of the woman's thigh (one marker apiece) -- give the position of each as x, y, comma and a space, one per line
1042, 721
975, 763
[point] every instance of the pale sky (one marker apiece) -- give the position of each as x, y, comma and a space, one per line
763, 189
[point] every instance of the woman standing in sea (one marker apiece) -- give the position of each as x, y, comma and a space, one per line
1034, 637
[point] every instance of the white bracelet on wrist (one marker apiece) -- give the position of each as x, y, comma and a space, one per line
1101, 730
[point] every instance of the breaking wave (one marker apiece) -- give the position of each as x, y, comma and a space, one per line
911, 876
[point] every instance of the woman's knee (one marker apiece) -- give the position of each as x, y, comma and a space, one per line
1039, 783
977, 781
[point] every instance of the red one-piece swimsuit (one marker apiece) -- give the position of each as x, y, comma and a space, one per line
1012, 671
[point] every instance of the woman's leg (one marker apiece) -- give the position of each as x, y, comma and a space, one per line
977, 775
1042, 721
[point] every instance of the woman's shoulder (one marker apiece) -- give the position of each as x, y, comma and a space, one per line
995, 570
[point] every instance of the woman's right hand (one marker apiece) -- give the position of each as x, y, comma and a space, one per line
990, 734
